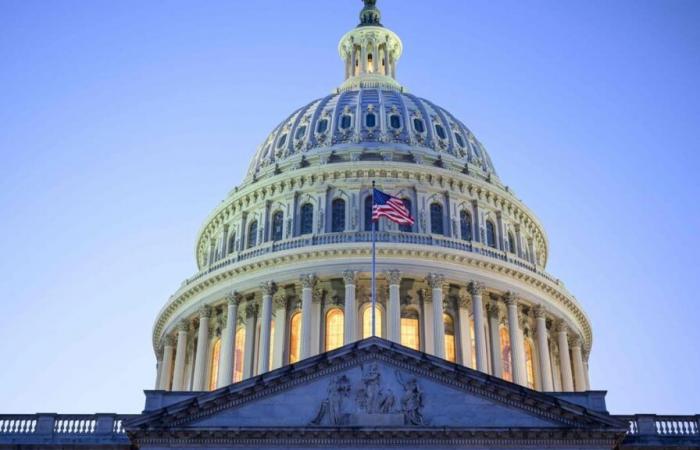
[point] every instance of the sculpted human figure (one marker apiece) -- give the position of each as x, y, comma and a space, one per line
333, 407
372, 398
412, 401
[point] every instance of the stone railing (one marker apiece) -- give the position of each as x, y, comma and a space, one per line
664, 430
366, 237
62, 428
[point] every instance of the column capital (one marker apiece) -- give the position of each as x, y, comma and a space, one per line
234, 298
205, 312
251, 309
183, 326
168, 341
435, 280
268, 287
281, 300
539, 311
307, 280
350, 277
394, 276
476, 287
511, 298
562, 327
493, 310
575, 341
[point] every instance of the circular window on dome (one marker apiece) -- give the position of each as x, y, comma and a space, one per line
301, 132
322, 126
282, 141
345, 121
419, 125
371, 120
395, 121
440, 131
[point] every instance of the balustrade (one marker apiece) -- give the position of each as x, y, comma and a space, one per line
58, 428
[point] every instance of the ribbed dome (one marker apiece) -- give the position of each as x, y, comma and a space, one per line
372, 119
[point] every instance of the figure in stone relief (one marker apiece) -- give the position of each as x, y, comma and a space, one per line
371, 397
333, 410
412, 401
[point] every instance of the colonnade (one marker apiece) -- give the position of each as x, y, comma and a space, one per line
480, 326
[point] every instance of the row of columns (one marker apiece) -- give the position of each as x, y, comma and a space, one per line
571, 363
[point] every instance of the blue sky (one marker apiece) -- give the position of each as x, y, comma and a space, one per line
125, 123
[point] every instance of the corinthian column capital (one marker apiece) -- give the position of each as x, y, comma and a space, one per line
511, 298
268, 287
394, 276
307, 280
575, 341
435, 280
476, 288
562, 327
281, 300
350, 277
183, 325
205, 312
539, 311
168, 341
234, 298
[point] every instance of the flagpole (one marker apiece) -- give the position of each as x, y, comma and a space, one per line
374, 265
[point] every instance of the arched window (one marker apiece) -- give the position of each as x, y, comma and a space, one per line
490, 234
506, 358
436, 219
232, 243
335, 328
295, 338
301, 131
282, 141
322, 126
367, 322
440, 130
511, 243
410, 329
529, 365
465, 225
450, 342
238, 355
338, 215
407, 228
277, 225
214, 366
368, 213
459, 139
307, 219
253, 234
419, 125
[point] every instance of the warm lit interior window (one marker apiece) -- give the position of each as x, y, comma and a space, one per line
238, 355
410, 330
472, 336
370, 66
450, 344
214, 372
367, 322
529, 365
335, 328
507, 372
295, 338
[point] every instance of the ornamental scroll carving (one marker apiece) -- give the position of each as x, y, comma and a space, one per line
371, 401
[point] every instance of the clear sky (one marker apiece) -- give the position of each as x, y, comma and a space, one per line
124, 123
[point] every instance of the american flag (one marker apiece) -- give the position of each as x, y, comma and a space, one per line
393, 208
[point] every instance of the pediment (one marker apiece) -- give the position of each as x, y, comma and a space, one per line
373, 383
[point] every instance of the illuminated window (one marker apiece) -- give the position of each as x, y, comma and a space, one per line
406, 228
472, 337
529, 365
307, 219
253, 234
338, 215
465, 225
214, 368
282, 141
490, 234
436, 219
238, 355
368, 213
295, 338
511, 243
367, 322
450, 342
322, 126
410, 329
335, 328
419, 125
370, 66
506, 361
440, 130
277, 225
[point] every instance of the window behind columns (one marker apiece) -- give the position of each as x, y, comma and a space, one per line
335, 328
407, 228
253, 234
465, 225
214, 366
506, 361
338, 215
450, 343
529, 364
368, 213
410, 329
257, 343
238, 355
277, 225
436, 219
231, 243
367, 321
490, 234
295, 338
472, 338
307, 219
511, 243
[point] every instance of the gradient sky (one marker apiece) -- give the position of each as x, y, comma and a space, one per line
124, 123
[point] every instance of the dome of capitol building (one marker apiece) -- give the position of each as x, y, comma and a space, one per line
284, 262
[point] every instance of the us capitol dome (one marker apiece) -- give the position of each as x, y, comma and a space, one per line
284, 262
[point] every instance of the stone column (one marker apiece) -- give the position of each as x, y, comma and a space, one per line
518, 241
243, 232
586, 355
475, 289
350, 309
428, 323
279, 346
307, 286
200, 362
476, 232
180, 355
517, 347
564, 359
577, 360
465, 338
494, 314
265, 326
543, 349
228, 342
435, 281
251, 324
166, 365
316, 317
393, 314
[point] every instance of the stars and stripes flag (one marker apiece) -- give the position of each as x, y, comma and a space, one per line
393, 208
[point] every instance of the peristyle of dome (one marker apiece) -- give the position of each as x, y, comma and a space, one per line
284, 261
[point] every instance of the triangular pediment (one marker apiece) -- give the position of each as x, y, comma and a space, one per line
372, 383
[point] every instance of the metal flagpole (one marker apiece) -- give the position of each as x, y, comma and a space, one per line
374, 265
